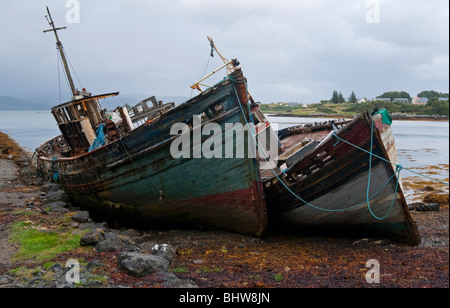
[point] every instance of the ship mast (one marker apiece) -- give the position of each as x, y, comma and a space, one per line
61, 50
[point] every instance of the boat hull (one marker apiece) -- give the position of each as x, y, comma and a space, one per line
333, 194
136, 180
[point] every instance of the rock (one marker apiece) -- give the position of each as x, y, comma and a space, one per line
6, 280
138, 239
57, 269
59, 210
93, 265
110, 245
51, 187
57, 206
81, 216
59, 195
172, 281
147, 246
93, 225
37, 181
361, 242
110, 235
165, 251
131, 233
38, 283
140, 264
92, 237
114, 244
131, 249
147, 237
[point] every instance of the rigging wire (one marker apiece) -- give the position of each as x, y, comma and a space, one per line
65, 75
70, 63
211, 55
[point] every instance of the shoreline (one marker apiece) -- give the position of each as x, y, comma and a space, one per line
213, 258
393, 116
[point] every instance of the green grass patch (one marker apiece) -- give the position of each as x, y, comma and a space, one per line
40, 244
181, 269
23, 213
279, 277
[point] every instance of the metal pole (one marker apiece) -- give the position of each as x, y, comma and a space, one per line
61, 50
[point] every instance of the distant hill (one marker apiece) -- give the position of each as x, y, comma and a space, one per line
47, 100
12, 103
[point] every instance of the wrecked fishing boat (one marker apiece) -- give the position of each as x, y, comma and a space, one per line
127, 172
340, 176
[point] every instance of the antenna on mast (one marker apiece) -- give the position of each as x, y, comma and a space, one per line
59, 46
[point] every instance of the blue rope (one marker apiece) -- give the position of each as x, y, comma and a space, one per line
55, 173
397, 172
398, 166
293, 193
370, 176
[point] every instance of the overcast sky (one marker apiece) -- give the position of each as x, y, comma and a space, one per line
290, 50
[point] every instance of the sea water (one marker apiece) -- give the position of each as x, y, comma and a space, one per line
29, 128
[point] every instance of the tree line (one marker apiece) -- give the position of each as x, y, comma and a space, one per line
433, 96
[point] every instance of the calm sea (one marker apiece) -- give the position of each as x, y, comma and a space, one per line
419, 143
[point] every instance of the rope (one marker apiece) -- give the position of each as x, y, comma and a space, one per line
399, 168
55, 172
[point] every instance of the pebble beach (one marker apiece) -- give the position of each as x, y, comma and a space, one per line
203, 258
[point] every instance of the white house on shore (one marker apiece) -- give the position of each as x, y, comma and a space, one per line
362, 100
420, 101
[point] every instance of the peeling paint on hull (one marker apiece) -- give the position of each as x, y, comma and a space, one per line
336, 189
136, 179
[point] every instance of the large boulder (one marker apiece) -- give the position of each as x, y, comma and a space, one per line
141, 264
50, 187
81, 216
92, 237
57, 206
115, 243
54, 196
